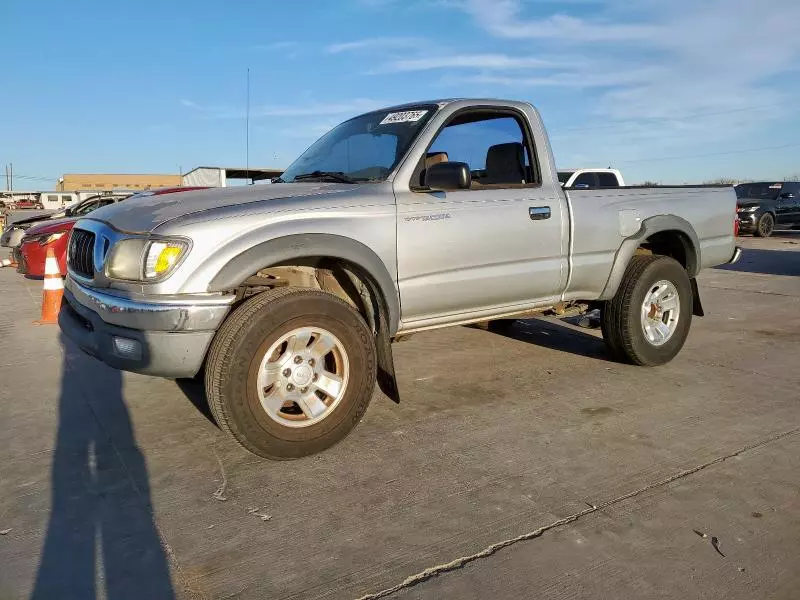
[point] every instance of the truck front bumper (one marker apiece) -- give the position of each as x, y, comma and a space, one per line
161, 337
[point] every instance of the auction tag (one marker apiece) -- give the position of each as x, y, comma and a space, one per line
407, 116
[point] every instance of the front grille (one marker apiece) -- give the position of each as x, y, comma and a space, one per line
80, 255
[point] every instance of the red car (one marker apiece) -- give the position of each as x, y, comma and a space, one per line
28, 203
37, 240
55, 234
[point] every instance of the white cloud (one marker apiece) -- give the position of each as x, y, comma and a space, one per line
586, 76
382, 43
684, 55
287, 45
503, 19
317, 109
471, 61
190, 104
654, 78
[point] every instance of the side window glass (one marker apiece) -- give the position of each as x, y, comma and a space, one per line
607, 180
493, 146
584, 180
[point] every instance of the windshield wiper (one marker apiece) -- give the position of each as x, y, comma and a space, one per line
335, 175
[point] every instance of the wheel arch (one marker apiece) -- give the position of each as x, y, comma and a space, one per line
323, 254
313, 250
669, 235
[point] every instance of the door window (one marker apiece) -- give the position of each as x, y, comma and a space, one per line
493, 145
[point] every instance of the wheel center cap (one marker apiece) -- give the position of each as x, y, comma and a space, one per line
302, 375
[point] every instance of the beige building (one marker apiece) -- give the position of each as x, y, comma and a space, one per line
109, 181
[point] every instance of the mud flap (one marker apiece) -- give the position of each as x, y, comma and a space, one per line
697, 306
383, 346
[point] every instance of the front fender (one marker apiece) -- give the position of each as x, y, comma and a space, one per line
283, 250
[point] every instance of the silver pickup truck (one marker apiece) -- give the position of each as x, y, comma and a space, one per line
287, 297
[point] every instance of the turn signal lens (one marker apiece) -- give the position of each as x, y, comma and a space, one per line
162, 258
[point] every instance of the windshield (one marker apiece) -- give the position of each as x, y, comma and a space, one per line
85, 208
758, 191
563, 176
366, 148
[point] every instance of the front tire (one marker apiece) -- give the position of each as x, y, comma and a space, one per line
765, 225
648, 320
291, 372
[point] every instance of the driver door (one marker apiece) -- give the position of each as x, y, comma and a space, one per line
498, 246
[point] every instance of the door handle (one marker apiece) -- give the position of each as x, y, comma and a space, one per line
538, 213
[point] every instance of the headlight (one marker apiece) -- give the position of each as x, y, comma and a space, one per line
49, 239
139, 259
748, 209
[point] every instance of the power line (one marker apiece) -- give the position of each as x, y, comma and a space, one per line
644, 120
35, 177
742, 151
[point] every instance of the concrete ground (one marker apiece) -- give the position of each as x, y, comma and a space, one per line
518, 466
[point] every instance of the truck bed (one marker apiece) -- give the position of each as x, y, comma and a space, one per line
711, 211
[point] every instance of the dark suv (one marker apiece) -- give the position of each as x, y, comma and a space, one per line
763, 206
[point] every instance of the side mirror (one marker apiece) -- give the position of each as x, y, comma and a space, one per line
448, 176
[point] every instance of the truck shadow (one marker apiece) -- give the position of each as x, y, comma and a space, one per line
195, 391
101, 538
767, 262
555, 336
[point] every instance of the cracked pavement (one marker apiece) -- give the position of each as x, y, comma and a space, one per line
517, 465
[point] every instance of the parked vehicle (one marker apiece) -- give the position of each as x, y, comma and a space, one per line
13, 233
53, 234
28, 203
400, 220
590, 178
763, 206
57, 200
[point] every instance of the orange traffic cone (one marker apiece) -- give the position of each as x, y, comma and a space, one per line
53, 290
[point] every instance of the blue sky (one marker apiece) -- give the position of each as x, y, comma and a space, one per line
679, 91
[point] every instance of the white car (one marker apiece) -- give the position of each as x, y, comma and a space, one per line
590, 178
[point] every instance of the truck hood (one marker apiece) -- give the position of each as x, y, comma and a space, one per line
144, 214
27, 222
52, 226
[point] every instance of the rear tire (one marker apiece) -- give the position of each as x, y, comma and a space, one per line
765, 226
291, 372
648, 320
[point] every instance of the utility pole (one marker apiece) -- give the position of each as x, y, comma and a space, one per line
8, 189
11, 170
247, 131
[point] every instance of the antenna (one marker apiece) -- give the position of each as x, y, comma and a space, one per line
247, 130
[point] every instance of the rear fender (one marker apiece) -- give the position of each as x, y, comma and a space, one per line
650, 227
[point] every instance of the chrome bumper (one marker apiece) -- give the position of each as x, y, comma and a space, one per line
166, 338
191, 313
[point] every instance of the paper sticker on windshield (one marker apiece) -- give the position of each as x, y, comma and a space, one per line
776, 186
407, 116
